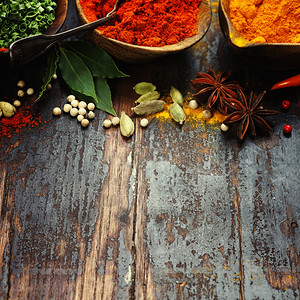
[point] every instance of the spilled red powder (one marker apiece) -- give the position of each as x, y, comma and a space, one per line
23, 119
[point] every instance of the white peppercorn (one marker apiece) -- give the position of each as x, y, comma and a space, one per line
224, 127
21, 93
193, 104
74, 103
67, 107
206, 114
115, 121
91, 115
54, 77
30, 91
91, 106
82, 104
80, 118
17, 103
21, 83
85, 122
74, 112
144, 122
70, 98
48, 87
107, 123
56, 111
82, 111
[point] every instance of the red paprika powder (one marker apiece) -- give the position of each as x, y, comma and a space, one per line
151, 23
23, 119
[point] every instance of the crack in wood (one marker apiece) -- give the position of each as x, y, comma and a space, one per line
6, 230
237, 201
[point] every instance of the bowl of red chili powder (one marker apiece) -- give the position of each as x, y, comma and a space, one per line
266, 33
144, 30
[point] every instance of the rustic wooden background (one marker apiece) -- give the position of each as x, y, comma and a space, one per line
172, 213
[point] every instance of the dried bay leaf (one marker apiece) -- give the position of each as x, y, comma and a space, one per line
52, 63
76, 74
97, 60
104, 101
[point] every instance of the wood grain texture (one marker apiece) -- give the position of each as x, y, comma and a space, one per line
175, 212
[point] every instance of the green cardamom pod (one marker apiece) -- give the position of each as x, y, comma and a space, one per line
149, 107
142, 88
148, 96
8, 110
177, 113
126, 125
176, 96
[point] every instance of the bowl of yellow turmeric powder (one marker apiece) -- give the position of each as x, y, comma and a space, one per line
144, 30
266, 32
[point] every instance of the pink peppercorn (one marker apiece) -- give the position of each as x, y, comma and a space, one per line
287, 128
285, 104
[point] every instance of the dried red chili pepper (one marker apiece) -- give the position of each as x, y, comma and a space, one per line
289, 82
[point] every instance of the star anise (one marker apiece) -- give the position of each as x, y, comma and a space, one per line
215, 85
248, 114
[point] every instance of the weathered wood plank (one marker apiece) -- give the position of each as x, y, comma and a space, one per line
172, 213
200, 232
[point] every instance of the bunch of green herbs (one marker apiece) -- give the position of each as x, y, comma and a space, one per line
22, 18
85, 68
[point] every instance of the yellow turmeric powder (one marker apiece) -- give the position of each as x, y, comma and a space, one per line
266, 21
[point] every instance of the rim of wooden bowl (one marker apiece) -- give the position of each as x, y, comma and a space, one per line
137, 53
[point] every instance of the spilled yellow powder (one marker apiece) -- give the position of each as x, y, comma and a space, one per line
193, 116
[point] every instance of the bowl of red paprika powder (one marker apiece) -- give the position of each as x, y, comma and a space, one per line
267, 34
143, 31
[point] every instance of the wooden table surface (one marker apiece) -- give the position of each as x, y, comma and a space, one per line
171, 213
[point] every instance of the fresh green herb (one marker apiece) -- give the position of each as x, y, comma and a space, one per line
22, 18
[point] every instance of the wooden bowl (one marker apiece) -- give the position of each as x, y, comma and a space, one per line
278, 56
137, 54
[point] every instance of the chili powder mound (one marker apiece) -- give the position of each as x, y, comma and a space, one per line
151, 23
22, 120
